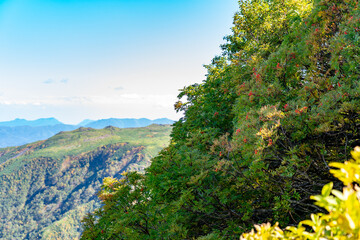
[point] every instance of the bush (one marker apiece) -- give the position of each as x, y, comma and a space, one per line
343, 218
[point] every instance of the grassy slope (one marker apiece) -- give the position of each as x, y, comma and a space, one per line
52, 183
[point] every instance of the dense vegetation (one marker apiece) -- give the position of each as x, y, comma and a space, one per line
48, 186
343, 218
257, 135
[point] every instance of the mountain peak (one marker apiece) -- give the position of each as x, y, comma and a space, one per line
32, 123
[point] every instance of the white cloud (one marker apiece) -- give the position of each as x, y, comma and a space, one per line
118, 88
130, 96
163, 101
73, 100
53, 81
49, 81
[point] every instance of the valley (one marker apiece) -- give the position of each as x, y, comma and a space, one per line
49, 185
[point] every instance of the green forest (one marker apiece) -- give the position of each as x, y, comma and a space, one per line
48, 186
279, 109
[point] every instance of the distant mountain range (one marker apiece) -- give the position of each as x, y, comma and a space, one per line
34, 123
21, 131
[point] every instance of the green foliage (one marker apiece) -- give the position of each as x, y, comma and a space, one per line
343, 218
301, 100
258, 134
124, 200
47, 187
69, 226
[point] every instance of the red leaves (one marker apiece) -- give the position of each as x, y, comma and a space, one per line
301, 110
292, 55
240, 87
257, 76
250, 93
286, 106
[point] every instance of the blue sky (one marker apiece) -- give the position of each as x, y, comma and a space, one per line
94, 59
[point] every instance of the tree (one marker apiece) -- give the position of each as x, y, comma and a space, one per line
300, 111
258, 134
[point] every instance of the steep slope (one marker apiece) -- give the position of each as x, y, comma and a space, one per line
48, 186
257, 136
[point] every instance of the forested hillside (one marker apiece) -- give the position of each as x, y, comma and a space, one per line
257, 135
48, 186
20, 131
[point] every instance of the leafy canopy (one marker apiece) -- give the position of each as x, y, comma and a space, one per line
258, 134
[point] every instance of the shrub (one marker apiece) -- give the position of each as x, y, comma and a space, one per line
343, 218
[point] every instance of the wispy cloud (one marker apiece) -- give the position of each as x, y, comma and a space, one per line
163, 101
64, 80
131, 96
53, 81
49, 81
75, 100
118, 88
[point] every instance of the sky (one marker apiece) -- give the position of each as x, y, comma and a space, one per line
97, 59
